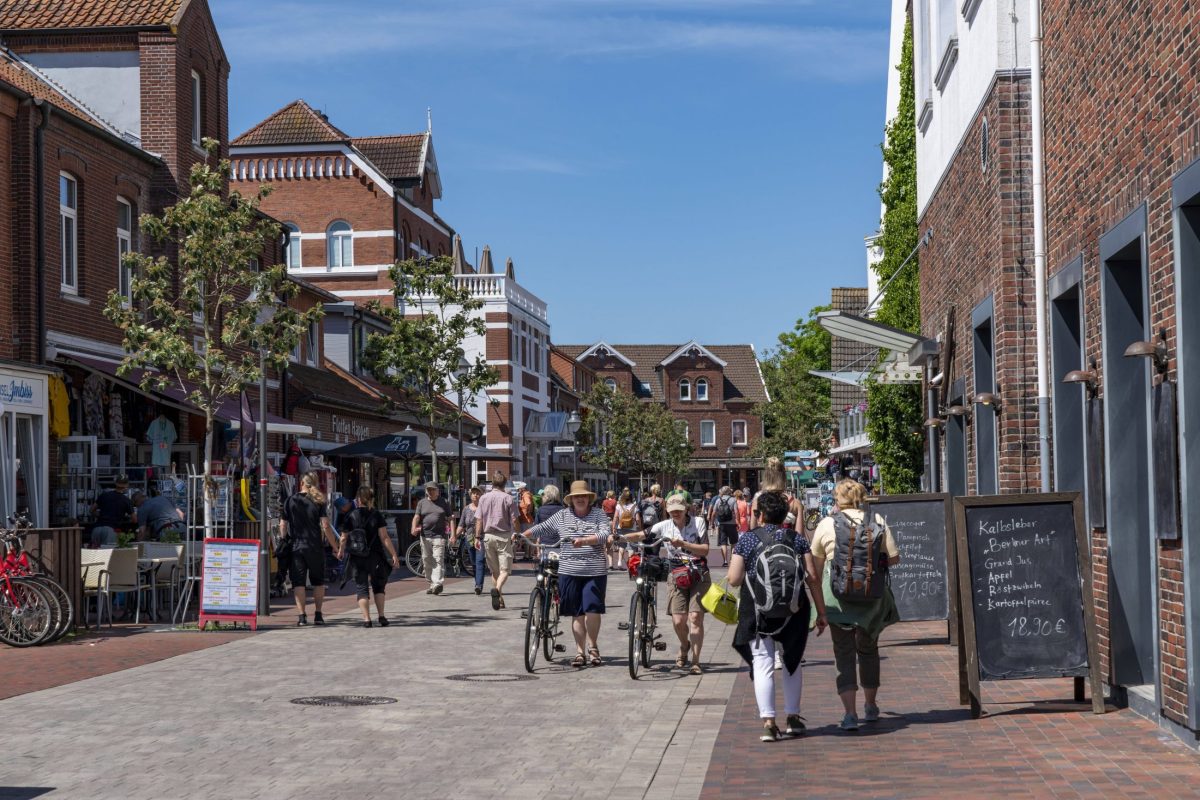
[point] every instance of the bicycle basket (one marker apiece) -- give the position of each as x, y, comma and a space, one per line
654, 568
549, 564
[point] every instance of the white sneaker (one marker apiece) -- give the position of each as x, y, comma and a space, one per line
778, 660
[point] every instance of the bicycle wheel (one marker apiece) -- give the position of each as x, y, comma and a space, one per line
466, 558
811, 518
66, 611
27, 617
550, 624
413, 559
650, 624
637, 617
532, 622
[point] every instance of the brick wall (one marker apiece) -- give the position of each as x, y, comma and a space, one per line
1121, 121
846, 354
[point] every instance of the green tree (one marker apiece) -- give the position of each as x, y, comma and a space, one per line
643, 438
895, 411
422, 353
799, 415
202, 320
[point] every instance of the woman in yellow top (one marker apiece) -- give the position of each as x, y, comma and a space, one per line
855, 628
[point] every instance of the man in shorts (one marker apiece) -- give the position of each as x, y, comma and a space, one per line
723, 515
494, 530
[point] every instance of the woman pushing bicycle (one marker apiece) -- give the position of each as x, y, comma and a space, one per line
582, 567
686, 539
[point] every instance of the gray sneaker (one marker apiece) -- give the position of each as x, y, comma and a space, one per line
849, 722
870, 713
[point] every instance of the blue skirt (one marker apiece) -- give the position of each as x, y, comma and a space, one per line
581, 594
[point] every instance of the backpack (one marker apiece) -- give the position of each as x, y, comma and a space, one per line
649, 512
626, 520
776, 582
358, 544
724, 510
859, 571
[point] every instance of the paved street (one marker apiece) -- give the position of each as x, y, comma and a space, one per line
220, 723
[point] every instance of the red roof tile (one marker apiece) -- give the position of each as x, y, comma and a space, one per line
742, 377
295, 123
397, 157
65, 14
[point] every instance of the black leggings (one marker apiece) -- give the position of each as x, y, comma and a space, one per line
373, 572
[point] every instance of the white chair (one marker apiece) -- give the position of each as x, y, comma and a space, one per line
124, 576
165, 570
95, 566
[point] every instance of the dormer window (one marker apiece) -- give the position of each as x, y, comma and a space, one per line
702, 389
685, 389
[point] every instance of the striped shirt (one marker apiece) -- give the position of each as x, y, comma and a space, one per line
584, 561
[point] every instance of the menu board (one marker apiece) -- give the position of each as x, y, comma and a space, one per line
919, 525
1027, 609
230, 578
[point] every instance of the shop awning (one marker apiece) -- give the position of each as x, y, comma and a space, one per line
546, 426
413, 444
865, 331
176, 397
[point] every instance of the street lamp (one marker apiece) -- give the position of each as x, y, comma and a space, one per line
570, 428
459, 375
729, 466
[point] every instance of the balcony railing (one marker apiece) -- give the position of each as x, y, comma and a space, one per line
495, 287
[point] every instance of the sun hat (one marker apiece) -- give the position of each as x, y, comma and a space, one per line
675, 503
580, 488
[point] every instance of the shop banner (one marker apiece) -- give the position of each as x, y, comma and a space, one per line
229, 585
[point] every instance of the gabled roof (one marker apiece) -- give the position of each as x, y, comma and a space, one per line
695, 348
399, 158
295, 123
600, 348
73, 14
743, 380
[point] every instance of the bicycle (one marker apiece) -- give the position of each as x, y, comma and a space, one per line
460, 559
542, 619
647, 571
35, 615
811, 518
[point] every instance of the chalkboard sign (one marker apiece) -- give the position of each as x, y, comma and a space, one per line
920, 524
1025, 585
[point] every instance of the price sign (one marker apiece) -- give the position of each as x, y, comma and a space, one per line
229, 585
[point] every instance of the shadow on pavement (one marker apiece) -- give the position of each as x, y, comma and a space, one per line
1041, 707
916, 642
433, 620
23, 792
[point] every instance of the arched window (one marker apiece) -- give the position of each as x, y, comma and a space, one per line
685, 389
340, 240
702, 389
610, 383
293, 245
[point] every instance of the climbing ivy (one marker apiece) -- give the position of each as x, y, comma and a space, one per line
895, 412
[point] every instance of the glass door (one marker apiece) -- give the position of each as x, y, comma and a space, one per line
29, 491
8, 468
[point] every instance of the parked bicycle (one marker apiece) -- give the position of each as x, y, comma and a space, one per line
34, 609
541, 618
460, 559
647, 571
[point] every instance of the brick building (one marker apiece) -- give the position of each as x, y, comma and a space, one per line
1121, 153
711, 389
354, 206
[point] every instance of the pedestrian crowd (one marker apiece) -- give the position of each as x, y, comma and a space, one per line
788, 582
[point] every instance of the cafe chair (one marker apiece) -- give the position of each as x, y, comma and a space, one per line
95, 567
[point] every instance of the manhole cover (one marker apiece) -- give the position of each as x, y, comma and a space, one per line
344, 700
705, 701
489, 677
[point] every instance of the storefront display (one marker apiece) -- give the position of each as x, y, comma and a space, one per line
24, 443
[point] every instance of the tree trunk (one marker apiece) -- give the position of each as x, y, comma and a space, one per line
433, 452
207, 493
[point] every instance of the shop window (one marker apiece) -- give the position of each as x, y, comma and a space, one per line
124, 246
340, 241
739, 433
68, 214
294, 260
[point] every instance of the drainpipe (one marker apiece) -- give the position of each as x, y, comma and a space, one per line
39, 199
1039, 237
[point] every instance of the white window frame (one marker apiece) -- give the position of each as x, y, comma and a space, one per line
611, 384
124, 245
69, 244
702, 384
295, 257
312, 345
685, 390
197, 108
923, 69
711, 426
733, 438
341, 240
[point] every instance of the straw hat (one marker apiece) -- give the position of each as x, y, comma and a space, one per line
579, 488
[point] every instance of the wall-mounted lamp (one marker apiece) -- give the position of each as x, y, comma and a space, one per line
1085, 376
959, 411
936, 380
1151, 349
988, 399
936, 423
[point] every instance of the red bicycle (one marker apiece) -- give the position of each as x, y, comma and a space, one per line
34, 608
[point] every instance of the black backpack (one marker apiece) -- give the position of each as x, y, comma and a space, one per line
724, 510
650, 512
358, 542
859, 571
775, 580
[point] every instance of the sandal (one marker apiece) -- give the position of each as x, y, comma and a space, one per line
578, 661
594, 654
682, 661
695, 670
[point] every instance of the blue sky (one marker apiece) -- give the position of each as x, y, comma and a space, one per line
658, 170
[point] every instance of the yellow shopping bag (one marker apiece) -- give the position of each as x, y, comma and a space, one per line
721, 603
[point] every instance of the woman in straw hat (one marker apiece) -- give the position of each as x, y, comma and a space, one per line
582, 566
